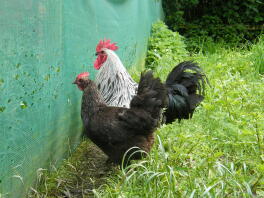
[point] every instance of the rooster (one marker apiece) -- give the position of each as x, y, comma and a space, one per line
115, 130
185, 89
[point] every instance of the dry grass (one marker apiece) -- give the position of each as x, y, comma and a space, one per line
78, 176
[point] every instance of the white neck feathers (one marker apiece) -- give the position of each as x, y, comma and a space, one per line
114, 82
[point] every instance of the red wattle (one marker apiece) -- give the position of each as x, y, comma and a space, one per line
97, 64
99, 61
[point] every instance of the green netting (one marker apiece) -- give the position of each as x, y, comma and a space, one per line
43, 45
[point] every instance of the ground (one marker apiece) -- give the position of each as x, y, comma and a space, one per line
84, 171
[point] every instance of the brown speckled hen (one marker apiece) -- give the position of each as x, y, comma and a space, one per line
117, 129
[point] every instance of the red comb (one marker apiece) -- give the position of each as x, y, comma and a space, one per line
106, 44
84, 74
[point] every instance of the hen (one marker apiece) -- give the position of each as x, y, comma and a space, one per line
185, 88
115, 130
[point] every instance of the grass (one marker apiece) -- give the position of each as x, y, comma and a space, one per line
257, 55
78, 175
218, 153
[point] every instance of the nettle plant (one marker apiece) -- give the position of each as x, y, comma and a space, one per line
165, 46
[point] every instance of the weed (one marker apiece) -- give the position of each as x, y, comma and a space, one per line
257, 56
164, 45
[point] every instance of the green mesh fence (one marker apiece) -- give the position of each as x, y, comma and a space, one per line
43, 45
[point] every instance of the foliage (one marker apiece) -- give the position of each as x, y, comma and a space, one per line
257, 55
163, 45
220, 151
229, 20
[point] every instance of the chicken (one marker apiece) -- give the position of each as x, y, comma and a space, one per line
185, 88
114, 82
115, 130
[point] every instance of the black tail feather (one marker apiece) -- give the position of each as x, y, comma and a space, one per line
186, 90
151, 95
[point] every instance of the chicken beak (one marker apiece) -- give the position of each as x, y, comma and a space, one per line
96, 54
74, 82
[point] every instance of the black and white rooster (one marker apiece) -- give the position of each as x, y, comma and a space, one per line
185, 83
